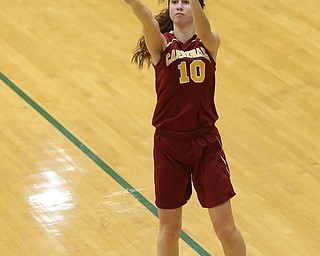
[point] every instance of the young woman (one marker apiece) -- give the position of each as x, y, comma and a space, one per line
182, 48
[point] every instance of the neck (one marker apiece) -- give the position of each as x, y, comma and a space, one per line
183, 34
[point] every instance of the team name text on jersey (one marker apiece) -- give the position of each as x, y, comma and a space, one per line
178, 54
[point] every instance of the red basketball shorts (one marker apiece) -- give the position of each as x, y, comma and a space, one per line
185, 158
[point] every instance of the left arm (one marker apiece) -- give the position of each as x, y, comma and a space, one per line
209, 37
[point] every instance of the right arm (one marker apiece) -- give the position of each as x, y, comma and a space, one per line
155, 41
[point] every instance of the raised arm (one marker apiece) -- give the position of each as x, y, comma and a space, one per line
209, 37
155, 41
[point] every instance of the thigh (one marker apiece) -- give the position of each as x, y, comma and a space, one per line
221, 217
172, 178
211, 176
170, 219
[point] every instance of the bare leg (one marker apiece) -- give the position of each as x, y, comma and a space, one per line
170, 224
226, 230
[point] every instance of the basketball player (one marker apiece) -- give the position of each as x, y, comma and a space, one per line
181, 46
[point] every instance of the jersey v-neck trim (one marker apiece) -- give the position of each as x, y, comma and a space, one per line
191, 39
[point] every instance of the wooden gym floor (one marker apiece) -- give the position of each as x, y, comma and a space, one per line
76, 139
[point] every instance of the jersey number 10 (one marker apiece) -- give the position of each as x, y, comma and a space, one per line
197, 71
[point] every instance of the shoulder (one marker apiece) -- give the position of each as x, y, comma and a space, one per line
169, 36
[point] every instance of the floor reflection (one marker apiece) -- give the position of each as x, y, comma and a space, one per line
49, 201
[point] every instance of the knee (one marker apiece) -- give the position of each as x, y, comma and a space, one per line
226, 234
169, 233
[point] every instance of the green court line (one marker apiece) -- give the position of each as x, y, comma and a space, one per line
184, 236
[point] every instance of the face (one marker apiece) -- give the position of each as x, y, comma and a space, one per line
180, 12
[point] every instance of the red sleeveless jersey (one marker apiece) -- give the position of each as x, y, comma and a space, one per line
185, 84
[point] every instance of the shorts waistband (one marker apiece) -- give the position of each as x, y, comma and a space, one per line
185, 134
